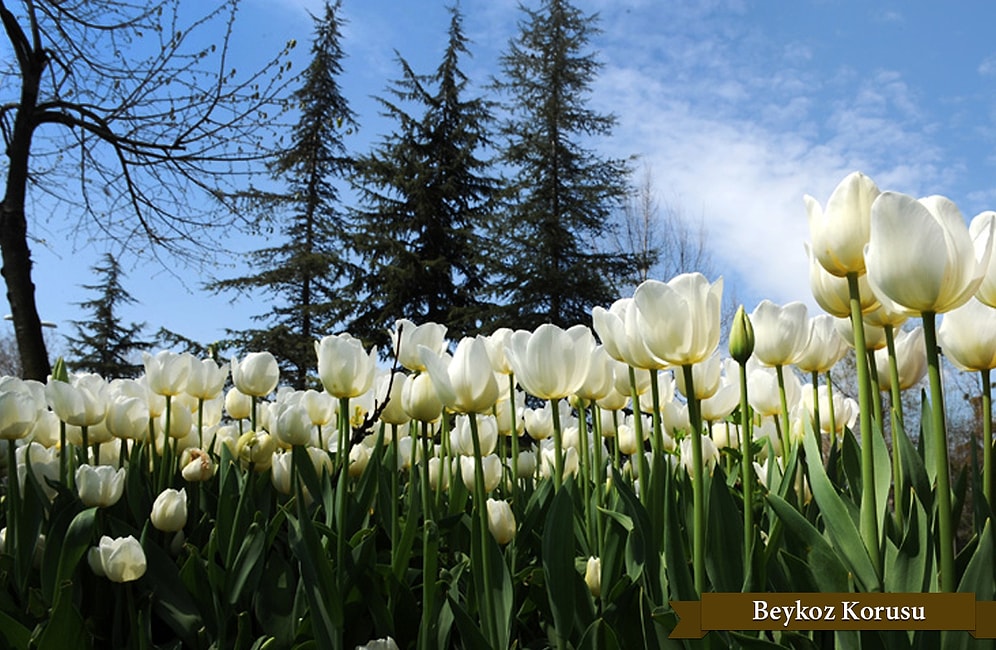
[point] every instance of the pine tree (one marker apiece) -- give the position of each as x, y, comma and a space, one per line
305, 274
102, 344
557, 255
427, 198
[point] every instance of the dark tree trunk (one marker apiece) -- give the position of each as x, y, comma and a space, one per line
16, 255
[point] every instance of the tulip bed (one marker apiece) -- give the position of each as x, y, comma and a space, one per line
531, 489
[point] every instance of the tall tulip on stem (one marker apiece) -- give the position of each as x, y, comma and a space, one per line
922, 257
680, 323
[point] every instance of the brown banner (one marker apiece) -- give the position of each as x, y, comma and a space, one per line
818, 611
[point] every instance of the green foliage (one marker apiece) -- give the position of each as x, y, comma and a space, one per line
562, 194
427, 201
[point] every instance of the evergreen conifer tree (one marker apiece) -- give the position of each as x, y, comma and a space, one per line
557, 254
102, 344
426, 201
305, 273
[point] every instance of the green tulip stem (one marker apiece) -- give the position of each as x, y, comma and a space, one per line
655, 396
558, 441
896, 419
641, 458
945, 520
785, 423
698, 482
395, 493
481, 509
876, 388
987, 437
167, 462
869, 516
85, 449
833, 411
586, 475
430, 545
747, 469
598, 475
515, 433
342, 459
63, 454
200, 422
817, 412
13, 502
616, 456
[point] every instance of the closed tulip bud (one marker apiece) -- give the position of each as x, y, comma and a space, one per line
119, 560
741, 337
256, 375
197, 465
593, 576
501, 521
169, 511
99, 485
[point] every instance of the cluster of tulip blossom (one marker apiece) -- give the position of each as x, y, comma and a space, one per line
597, 405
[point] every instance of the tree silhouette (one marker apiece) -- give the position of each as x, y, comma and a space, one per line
128, 115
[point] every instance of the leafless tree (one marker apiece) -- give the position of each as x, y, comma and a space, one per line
659, 234
130, 115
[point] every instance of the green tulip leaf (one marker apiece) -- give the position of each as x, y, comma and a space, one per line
558, 561
839, 523
725, 542
817, 553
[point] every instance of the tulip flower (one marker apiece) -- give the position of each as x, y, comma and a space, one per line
911, 359
167, 372
169, 510
840, 231
387, 643
206, 378
99, 485
923, 258
256, 375
405, 346
119, 560
781, 332
345, 368
593, 576
680, 320
921, 255
465, 383
18, 412
551, 363
833, 293
419, 398
501, 521
619, 331
197, 466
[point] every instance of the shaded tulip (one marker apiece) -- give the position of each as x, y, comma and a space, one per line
238, 405
911, 360
921, 255
593, 576
99, 485
619, 331
169, 510
345, 368
825, 347
967, 335
551, 363
465, 383
491, 465
501, 521
833, 293
256, 375
419, 398
44, 463
680, 320
781, 332
119, 560
206, 378
18, 412
405, 347
167, 372
197, 465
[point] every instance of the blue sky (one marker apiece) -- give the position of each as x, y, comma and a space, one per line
739, 108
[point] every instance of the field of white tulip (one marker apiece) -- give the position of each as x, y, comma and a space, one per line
554, 488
